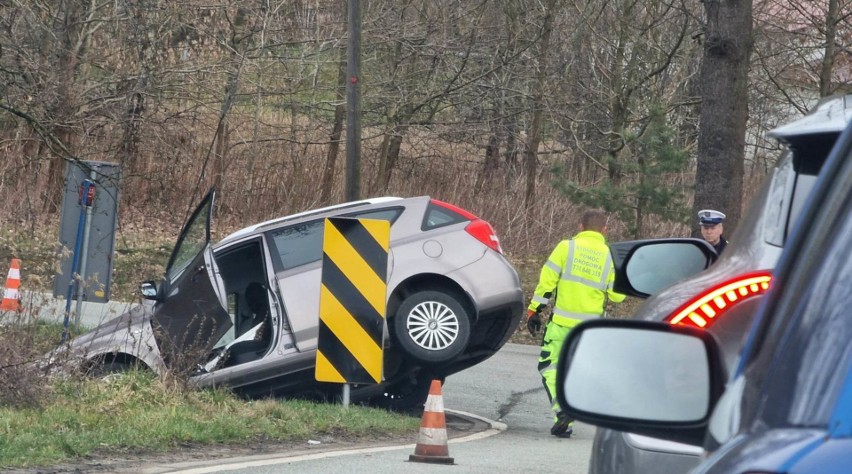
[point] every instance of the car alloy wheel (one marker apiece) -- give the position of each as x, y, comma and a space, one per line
432, 326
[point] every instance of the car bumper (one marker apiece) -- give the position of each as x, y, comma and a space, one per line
617, 452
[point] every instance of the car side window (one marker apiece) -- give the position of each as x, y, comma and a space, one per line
801, 351
817, 355
389, 215
778, 201
437, 216
301, 244
296, 245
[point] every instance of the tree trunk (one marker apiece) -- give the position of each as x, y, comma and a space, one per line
336, 131
723, 80
531, 149
391, 146
831, 19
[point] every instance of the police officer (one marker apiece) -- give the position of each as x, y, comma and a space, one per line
712, 228
580, 273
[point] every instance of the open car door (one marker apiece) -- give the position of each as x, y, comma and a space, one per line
191, 312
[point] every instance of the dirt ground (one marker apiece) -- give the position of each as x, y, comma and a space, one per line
126, 462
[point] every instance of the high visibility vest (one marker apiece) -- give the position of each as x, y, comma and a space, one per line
581, 272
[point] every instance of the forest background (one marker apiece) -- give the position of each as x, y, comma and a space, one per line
523, 112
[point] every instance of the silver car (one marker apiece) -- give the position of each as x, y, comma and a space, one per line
244, 313
722, 300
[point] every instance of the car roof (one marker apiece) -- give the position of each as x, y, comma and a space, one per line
829, 116
329, 209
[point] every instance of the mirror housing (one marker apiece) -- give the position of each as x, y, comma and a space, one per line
644, 267
644, 377
149, 290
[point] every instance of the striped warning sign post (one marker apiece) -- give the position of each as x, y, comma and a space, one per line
352, 300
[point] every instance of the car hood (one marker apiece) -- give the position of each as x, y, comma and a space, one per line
131, 321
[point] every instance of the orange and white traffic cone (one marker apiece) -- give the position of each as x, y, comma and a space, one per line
432, 440
11, 298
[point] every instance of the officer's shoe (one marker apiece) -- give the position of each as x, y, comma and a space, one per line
563, 428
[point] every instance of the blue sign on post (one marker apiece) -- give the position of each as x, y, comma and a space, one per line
87, 231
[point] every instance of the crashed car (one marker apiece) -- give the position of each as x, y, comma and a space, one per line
244, 313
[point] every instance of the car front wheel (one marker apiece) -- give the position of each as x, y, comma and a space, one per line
432, 327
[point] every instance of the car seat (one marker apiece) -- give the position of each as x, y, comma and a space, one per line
257, 300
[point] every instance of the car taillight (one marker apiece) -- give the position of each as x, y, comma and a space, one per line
706, 308
483, 232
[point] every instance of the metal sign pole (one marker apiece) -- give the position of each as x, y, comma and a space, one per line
84, 199
85, 252
346, 395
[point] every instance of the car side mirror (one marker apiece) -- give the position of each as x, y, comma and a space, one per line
149, 290
644, 267
643, 377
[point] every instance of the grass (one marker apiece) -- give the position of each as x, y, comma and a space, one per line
46, 421
135, 411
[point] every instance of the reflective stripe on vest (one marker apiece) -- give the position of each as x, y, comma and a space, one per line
598, 285
553, 267
540, 299
572, 315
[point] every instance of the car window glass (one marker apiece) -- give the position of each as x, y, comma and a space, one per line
801, 348
191, 243
822, 341
437, 216
804, 186
389, 215
301, 244
297, 244
778, 201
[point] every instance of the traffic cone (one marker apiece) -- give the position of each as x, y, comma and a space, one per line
11, 298
432, 440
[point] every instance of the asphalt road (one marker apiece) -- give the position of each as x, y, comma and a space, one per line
505, 390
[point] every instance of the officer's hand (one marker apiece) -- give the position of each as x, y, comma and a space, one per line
533, 322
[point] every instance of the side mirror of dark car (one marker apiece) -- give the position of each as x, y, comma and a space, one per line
644, 377
149, 290
644, 267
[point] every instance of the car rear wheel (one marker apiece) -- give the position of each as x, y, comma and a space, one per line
432, 327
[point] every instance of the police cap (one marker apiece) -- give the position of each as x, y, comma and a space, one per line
709, 217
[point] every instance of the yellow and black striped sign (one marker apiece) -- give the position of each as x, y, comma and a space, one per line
352, 300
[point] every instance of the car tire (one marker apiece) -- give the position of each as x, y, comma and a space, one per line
404, 396
431, 327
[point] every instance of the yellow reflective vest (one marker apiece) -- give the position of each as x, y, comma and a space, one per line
581, 273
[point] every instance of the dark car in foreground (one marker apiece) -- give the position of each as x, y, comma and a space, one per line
723, 299
244, 313
785, 405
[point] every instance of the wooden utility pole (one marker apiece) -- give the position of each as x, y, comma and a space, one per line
353, 100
